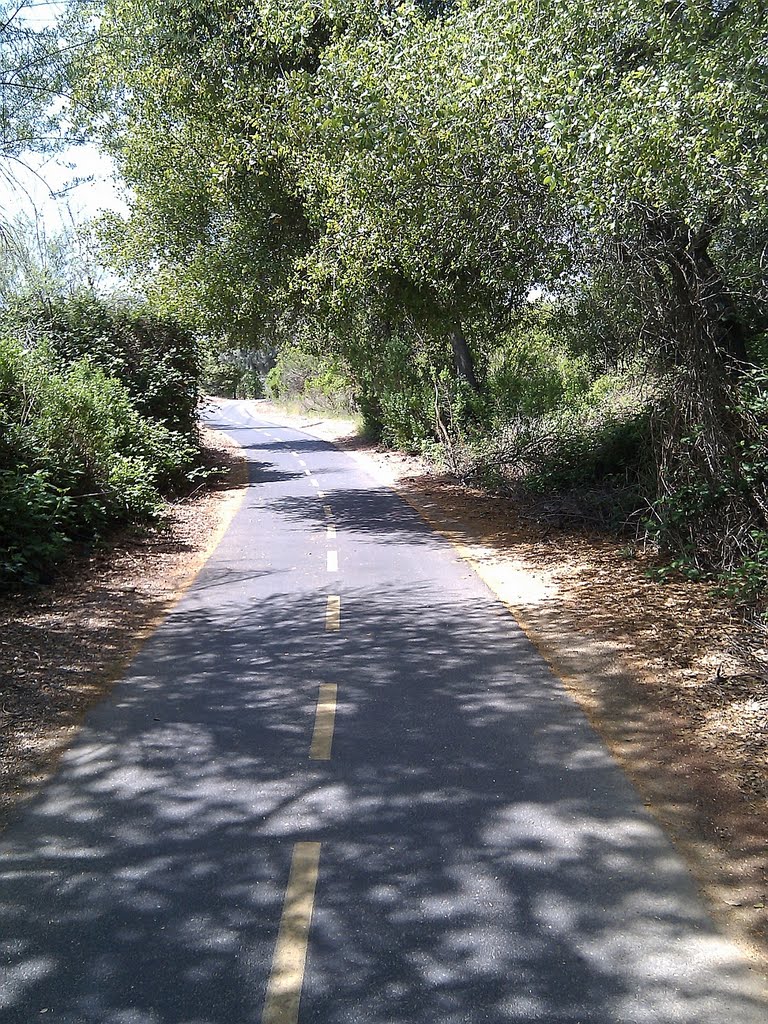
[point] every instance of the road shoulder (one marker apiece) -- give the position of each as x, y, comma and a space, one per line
63, 646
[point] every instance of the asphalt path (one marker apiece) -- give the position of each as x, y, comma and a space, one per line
339, 773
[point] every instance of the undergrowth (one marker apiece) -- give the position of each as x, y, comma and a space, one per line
78, 456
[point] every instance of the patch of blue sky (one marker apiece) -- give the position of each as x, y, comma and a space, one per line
70, 186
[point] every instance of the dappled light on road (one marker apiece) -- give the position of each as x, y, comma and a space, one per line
483, 859
463, 810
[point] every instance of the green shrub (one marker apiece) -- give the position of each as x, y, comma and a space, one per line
532, 375
76, 458
273, 383
590, 449
34, 518
318, 382
747, 581
249, 385
155, 359
711, 515
407, 421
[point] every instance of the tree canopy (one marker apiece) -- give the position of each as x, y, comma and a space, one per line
425, 189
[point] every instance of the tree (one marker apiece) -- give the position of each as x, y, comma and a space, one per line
653, 131
406, 169
40, 265
346, 151
391, 180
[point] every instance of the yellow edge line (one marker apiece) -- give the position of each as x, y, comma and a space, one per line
232, 505
287, 975
325, 718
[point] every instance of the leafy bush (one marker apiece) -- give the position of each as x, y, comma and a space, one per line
747, 581
711, 513
529, 374
219, 377
591, 460
581, 449
318, 382
156, 360
407, 421
76, 458
249, 385
34, 515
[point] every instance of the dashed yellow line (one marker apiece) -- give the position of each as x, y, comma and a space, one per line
287, 975
333, 614
325, 718
328, 511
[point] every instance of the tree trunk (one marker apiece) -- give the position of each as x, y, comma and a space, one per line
703, 430
462, 357
704, 314
729, 336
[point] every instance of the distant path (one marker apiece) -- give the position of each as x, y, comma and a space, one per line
340, 772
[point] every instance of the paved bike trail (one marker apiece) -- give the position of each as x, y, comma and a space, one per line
478, 855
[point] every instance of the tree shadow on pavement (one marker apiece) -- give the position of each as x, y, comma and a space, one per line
303, 446
377, 514
482, 859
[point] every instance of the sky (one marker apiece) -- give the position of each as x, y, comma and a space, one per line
71, 186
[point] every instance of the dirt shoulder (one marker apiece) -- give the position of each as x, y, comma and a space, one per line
62, 647
668, 675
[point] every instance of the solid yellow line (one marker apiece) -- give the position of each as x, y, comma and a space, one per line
287, 975
325, 717
333, 614
230, 506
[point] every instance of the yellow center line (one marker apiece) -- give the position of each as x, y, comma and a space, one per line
325, 717
333, 614
328, 511
333, 561
287, 975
